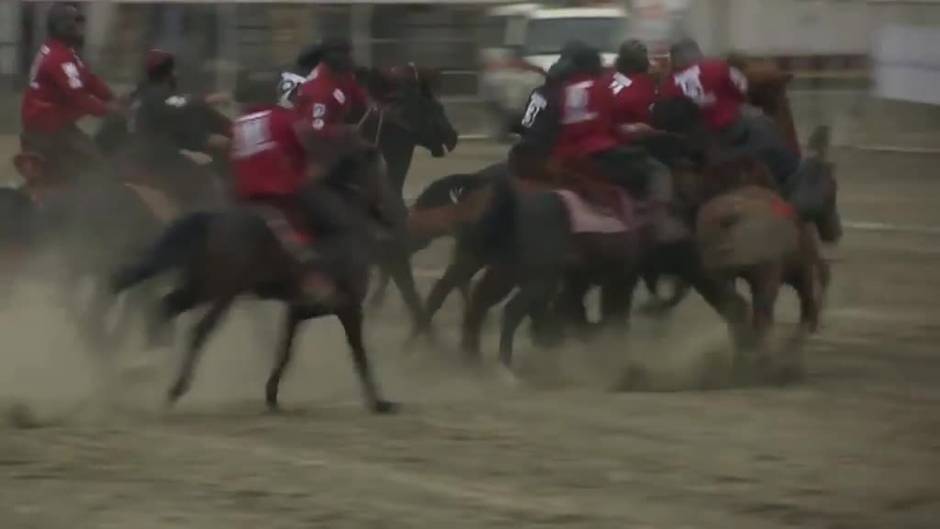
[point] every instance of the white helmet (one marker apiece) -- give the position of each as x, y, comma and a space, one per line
287, 88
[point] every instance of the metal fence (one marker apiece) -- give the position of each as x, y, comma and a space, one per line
241, 47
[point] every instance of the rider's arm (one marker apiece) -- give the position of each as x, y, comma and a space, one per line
98, 87
66, 76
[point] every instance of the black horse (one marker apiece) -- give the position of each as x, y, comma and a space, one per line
222, 255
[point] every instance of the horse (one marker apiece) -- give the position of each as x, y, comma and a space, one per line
398, 141
533, 235
442, 209
745, 229
410, 116
222, 255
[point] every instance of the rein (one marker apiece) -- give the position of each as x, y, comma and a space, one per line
378, 129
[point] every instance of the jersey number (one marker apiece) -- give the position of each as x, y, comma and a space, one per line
577, 99
690, 83
251, 135
537, 103
619, 83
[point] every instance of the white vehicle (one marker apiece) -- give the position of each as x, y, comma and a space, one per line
522, 41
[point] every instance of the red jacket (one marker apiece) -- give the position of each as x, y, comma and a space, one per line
326, 99
717, 88
61, 90
633, 95
586, 118
267, 157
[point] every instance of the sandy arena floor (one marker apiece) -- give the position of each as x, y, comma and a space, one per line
856, 446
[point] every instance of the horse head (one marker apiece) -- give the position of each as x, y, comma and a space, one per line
408, 94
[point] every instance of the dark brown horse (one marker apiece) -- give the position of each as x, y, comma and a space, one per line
223, 255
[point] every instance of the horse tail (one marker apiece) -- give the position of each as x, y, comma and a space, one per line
180, 240
819, 142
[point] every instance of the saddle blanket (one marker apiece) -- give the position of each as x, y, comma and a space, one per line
586, 217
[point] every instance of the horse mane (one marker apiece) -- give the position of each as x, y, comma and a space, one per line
442, 192
383, 84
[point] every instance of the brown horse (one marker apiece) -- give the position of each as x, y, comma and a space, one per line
222, 255
744, 229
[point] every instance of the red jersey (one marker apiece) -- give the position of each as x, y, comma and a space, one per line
717, 88
61, 90
326, 99
634, 95
267, 156
586, 118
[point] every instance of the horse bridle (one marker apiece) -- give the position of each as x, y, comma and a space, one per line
381, 110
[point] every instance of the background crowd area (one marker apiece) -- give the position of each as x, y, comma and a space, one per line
831, 46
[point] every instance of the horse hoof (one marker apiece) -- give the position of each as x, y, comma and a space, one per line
175, 393
385, 407
506, 375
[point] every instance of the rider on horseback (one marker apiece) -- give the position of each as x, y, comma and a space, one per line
720, 90
62, 90
269, 164
634, 92
164, 121
328, 97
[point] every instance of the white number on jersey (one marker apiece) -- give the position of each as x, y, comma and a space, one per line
34, 68
71, 71
537, 103
251, 134
739, 80
577, 98
690, 83
619, 83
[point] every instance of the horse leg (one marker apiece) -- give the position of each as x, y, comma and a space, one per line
200, 333
378, 296
161, 320
764, 282
617, 298
399, 268
570, 306
718, 293
533, 298
285, 353
351, 318
457, 275
496, 283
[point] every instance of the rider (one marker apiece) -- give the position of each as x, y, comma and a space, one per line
634, 92
61, 91
163, 120
269, 164
720, 90
329, 96
587, 130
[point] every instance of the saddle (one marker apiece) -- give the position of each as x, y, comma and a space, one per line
287, 224
594, 204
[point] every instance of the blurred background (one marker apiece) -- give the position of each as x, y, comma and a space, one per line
870, 68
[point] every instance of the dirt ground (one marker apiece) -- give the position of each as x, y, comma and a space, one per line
857, 445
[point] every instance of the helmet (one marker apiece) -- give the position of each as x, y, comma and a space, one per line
633, 57
158, 64
287, 88
579, 57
